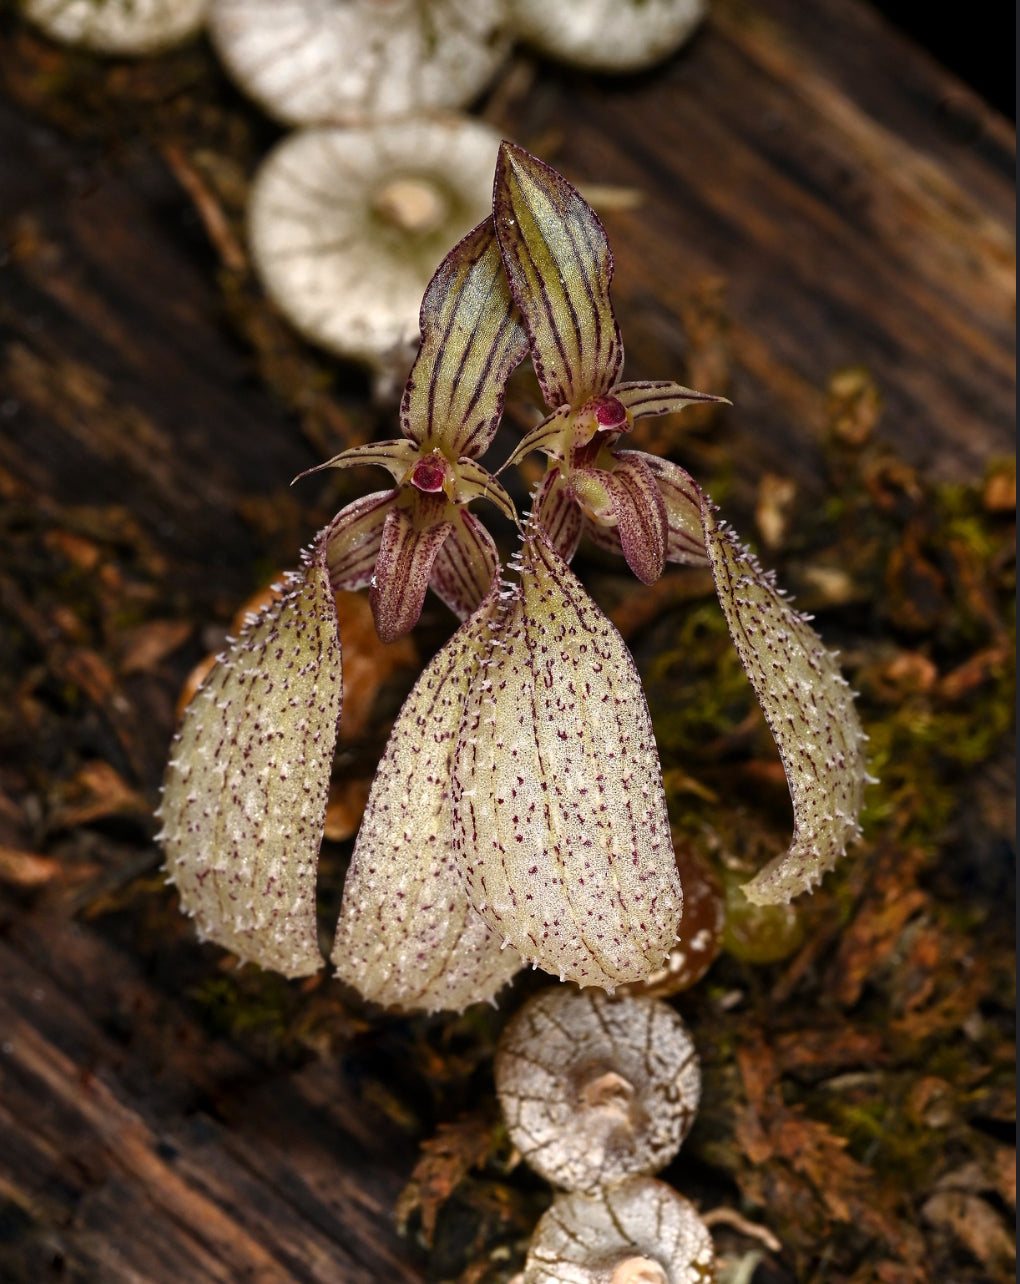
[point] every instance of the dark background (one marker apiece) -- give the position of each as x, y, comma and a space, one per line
980, 55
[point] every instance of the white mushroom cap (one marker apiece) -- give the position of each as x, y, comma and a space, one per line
606, 35
347, 226
126, 27
311, 62
639, 1232
595, 1089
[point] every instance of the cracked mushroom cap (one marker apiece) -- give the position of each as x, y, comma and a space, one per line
312, 62
346, 227
596, 1089
119, 27
606, 35
639, 1232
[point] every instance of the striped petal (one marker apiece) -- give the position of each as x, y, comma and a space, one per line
557, 792
408, 934
630, 492
553, 437
682, 499
809, 708
245, 794
409, 547
659, 397
558, 514
471, 339
465, 566
559, 266
353, 539
397, 457
476, 482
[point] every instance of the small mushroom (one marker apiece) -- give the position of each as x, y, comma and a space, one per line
638, 1232
118, 27
346, 227
595, 1089
606, 35
314, 62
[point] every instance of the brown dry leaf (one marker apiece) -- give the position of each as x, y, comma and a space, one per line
890, 901
975, 1224
90, 673
1000, 489
1002, 1171
145, 646
853, 405
772, 511
368, 663
95, 791
445, 1161
27, 869
800, 1168
346, 806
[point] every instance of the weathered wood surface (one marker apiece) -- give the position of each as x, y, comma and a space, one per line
813, 194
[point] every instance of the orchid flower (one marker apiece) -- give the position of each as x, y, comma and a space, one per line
559, 267
246, 788
518, 813
420, 532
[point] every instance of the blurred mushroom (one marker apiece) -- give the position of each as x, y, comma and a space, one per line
595, 1089
606, 35
315, 62
347, 225
639, 1232
127, 27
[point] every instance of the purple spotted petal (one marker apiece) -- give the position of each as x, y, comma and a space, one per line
637, 510
465, 566
557, 512
408, 935
682, 499
409, 547
559, 266
245, 794
809, 708
353, 539
471, 339
558, 805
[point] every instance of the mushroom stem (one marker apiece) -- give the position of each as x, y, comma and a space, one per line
412, 204
609, 1091
639, 1270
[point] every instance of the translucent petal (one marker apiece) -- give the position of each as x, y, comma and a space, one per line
559, 266
245, 793
353, 538
809, 708
409, 546
655, 397
471, 339
465, 566
408, 934
558, 798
